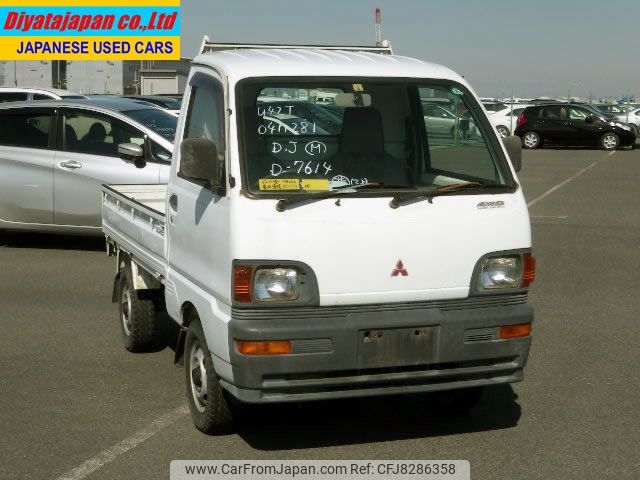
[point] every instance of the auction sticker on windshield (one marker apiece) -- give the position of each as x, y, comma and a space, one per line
321, 184
279, 184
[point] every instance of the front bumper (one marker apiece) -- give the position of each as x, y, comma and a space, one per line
355, 351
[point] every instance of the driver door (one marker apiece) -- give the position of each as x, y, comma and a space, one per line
88, 158
579, 130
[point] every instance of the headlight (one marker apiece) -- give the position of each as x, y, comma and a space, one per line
272, 284
500, 272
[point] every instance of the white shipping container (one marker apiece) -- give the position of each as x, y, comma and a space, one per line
162, 82
95, 77
27, 73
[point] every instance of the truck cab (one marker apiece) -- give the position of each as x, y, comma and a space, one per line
312, 250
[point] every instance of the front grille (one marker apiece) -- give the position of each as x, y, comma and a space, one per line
338, 310
480, 337
315, 345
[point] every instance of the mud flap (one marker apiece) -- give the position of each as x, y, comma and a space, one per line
116, 284
178, 359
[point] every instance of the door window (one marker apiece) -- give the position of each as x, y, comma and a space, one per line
97, 134
39, 96
28, 130
205, 116
12, 97
551, 113
159, 153
576, 114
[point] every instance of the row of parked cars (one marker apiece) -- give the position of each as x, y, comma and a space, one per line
58, 147
608, 126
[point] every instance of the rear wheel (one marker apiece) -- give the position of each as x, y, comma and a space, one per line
210, 405
137, 316
503, 131
609, 141
531, 140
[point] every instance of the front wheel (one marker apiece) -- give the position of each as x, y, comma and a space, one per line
531, 140
609, 141
210, 405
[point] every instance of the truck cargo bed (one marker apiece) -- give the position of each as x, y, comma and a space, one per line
133, 217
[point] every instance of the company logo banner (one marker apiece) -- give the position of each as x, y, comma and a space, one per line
90, 30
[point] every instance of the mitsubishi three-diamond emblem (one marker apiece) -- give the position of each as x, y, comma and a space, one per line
399, 270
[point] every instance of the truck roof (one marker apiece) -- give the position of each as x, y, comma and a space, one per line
246, 63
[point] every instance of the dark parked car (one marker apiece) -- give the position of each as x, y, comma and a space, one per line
571, 125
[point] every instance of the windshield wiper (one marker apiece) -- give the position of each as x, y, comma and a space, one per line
402, 198
283, 203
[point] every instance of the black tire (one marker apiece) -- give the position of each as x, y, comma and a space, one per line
531, 140
609, 141
458, 401
137, 316
503, 131
210, 405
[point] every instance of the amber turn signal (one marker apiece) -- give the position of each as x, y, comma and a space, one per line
514, 331
264, 348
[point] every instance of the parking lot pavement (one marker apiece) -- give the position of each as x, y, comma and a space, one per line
72, 398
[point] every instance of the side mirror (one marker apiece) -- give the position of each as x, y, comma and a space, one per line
590, 119
513, 145
132, 151
199, 161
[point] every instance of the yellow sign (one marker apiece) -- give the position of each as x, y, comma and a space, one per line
279, 184
316, 184
90, 48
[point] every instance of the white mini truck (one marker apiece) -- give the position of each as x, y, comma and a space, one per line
318, 249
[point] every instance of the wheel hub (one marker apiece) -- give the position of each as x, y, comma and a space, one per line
198, 377
126, 311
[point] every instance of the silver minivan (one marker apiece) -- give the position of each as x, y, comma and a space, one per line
55, 155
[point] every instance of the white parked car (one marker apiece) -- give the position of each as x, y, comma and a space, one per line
55, 155
631, 118
25, 94
505, 120
439, 120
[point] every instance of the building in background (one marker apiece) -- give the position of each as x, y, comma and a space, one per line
95, 77
26, 73
99, 77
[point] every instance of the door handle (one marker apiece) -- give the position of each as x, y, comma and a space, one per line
173, 202
70, 164
173, 207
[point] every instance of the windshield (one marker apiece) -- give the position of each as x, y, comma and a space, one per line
390, 134
161, 122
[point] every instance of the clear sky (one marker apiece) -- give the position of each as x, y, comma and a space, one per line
542, 47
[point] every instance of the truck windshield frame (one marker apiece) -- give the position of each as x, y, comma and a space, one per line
263, 186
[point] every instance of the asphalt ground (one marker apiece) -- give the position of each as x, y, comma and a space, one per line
75, 404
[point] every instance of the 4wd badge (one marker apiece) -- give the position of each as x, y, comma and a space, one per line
485, 205
399, 270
